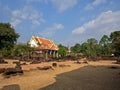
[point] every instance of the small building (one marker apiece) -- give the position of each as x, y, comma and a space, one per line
44, 46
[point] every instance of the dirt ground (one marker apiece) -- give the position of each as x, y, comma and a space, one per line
100, 75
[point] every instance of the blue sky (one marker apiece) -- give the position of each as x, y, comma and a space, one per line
64, 21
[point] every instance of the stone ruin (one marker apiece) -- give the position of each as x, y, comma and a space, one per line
2, 61
118, 60
7, 72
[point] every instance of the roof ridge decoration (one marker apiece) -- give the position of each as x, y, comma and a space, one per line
34, 38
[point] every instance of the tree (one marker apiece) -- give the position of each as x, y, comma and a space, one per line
105, 45
62, 50
8, 38
115, 39
20, 49
76, 48
92, 42
84, 48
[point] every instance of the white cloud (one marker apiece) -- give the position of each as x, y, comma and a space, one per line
29, 1
50, 31
57, 27
94, 4
27, 13
105, 23
78, 30
63, 5
15, 22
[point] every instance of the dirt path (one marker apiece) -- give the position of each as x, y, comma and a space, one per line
87, 78
92, 76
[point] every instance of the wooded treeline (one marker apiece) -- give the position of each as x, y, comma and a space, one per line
107, 46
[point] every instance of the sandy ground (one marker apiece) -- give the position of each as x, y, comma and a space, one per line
92, 76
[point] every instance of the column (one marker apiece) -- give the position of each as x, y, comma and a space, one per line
46, 55
53, 53
56, 54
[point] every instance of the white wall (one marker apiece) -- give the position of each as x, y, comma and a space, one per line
33, 43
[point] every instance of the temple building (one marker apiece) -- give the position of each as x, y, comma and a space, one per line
44, 46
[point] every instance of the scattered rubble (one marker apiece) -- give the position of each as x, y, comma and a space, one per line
2, 61
63, 65
54, 64
45, 68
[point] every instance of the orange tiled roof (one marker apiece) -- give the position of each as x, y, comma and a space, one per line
45, 44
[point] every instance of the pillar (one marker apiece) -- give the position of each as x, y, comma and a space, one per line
56, 54
50, 52
46, 55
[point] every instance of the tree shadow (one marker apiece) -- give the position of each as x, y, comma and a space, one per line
11, 87
87, 78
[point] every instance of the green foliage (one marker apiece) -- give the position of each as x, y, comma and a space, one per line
105, 44
76, 48
62, 50
84, 48
5, 52
104, 40
8, 37
20, 49
92, 43
115, 39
